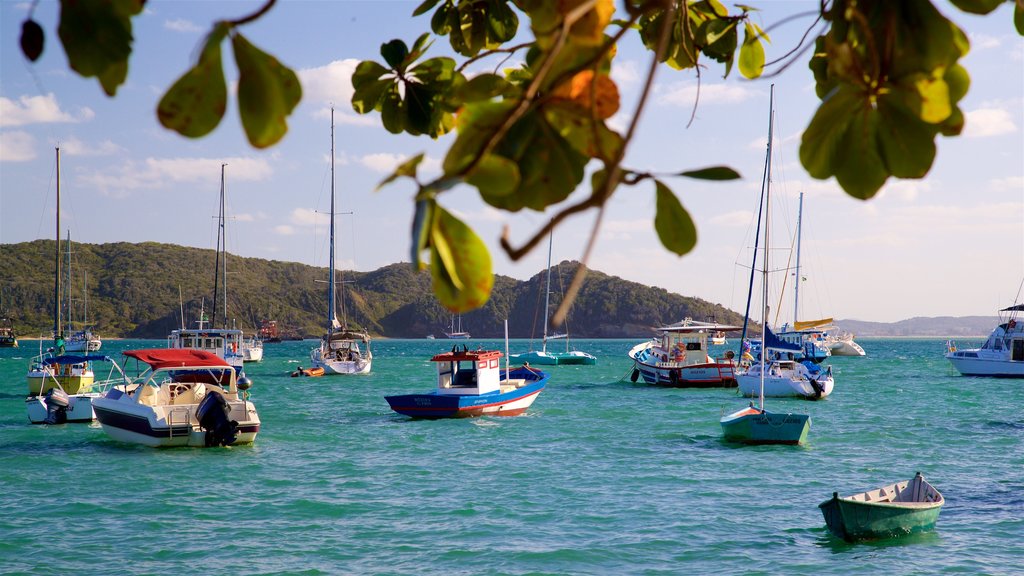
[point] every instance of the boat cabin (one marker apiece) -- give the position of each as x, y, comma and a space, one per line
683, 348
225, 343
468, 372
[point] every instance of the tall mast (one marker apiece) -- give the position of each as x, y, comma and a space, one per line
58, 330
223, 244
796, 284
217, 260
757, 230
332, 317
547, 293
68, 284
767, 227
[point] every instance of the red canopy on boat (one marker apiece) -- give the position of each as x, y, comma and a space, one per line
159, 358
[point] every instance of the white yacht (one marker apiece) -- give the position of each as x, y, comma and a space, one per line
1002, 355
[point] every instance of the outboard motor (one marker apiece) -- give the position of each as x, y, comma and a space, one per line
212, 414
57, 403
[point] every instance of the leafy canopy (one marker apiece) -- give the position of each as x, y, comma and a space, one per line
888, 74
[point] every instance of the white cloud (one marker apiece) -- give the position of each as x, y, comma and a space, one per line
684, 94
182, 25
37, 110
161, 173
16, 146
988, 122
386, 163
244, 217
626, 73
284, 230
1011, 183
903, 190
304, 217
984, 42
329, 84
75, 147
736, 219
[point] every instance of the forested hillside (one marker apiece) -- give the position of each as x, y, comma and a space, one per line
133, 292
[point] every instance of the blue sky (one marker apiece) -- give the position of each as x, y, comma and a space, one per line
950, 244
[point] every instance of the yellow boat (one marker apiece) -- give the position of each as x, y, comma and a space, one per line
72, 373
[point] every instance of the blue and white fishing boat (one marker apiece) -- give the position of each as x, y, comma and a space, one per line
472, 383
754, 424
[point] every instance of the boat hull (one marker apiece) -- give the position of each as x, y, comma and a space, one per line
126, 421
555, 358
785, 387
40, 383
433, 405
79, 408
846, 348
675, 375
979, 365
753, 426
890, 511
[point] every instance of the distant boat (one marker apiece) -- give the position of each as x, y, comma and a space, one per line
56, 406
310, 372
780, 374
543, 356
8, 338
184, 398
45, 371
339, 351
679, 357
894, 510
719, 339
1002, 354
472, 383
268, 332
755, 425
842, 343
453, 334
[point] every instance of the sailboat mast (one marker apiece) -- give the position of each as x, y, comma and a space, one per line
58, 330
767, 227
216, 267
796, 283
547, 292
331, 315
68, 283
223, 244
757, 236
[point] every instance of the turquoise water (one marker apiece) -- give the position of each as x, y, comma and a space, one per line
601, 476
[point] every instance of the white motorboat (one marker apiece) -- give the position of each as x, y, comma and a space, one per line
339, 351
842, 344
787, 378
183, 398
1002, 354
252, 350
57, 406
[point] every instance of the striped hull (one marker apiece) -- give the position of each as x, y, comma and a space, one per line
124, 422
434, 405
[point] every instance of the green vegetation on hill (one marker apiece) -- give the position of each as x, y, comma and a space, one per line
133, 292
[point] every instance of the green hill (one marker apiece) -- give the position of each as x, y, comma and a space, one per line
133, 292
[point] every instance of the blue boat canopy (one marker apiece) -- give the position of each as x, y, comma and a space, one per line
69, 359
774, 342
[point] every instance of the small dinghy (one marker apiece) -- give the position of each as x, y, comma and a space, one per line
311, 372
894, 510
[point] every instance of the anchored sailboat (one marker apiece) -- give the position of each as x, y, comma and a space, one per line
339, 351
755, 425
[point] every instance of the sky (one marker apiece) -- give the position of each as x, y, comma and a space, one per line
951, 244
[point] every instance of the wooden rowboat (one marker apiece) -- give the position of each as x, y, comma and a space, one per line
894, 510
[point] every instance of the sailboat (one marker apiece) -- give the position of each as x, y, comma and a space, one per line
52, 369
553, 358
754, 424
224, 342
339, 351
84, 340
456, 334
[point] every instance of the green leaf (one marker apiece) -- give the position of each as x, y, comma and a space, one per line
858, 166
367, 98
712, 173
195, 104
97, 38
1018, 18
439, 22
460, 263
407, 168
821, 140
421, 221
267, 93
751, 54
494, 176
32, 39
391, 110
978, 6
673, 223
475, 125
425, 7
906, 144
482, 87
394, 53
419, 107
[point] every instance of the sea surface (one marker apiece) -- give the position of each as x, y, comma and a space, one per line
601, 476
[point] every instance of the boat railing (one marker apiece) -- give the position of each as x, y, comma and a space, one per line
171, 421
